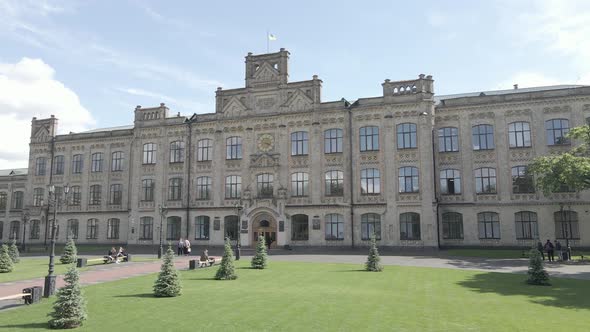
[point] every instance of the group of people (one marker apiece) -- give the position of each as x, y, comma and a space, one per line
550, 249
115, 255
184, 247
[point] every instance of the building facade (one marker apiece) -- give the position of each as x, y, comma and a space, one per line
274, 160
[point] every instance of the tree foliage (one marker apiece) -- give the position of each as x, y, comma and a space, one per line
227, 270
70, 253
6, 264
536, 272
373, 260
259, 260
13, 252
69, 310
168, 282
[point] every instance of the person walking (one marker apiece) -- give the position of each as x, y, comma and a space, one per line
540, 249
559, 250
180, 250
187, 247
549, 248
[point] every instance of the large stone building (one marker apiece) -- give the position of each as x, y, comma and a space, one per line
417, 170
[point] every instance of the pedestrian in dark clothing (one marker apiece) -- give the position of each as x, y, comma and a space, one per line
549, 249
559, 250
181, 245
540, 249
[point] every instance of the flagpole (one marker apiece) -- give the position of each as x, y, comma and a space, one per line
267, 42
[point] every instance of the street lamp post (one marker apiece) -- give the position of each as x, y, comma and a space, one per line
162, 211
565, 226
49, 289
239, 208
25, 219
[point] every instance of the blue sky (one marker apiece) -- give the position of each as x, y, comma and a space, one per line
90, 62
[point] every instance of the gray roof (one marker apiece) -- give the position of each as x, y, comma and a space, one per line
106, 129
14, 171
507, 91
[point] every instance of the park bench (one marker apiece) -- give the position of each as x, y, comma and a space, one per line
81, 262
30, 295
193, 263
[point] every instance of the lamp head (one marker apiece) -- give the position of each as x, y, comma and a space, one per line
52, 189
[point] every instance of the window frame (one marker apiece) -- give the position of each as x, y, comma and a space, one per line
452, 226
77, 164
96, 162
149, 153
204, 152
300, 227
233, 148
203, 189
410, 223
370, 181
117, 159
175, 189
202, 227
412, 179
526, 225
521, 180
487, 136
490, 221
552, 138
445, 180
300, 143
95, 195
40, 166
331, 220
92, 229
146, 227
299, 184
233, 186
113, 225
116, 194
334, 179
72, 224
480, 181
265, 185
370, 221
448, 139
369, 138
59, 165
333, 140
407, 135
518, 134
176, 152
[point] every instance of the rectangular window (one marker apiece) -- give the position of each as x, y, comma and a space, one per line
76, 195
334, 227
38, 195
40, 166
299, 143
519, 134
264, 185
17, 200
3, 200
92, 229
96, 165
521, 181
489, 225
450, 182
334, 183
14, 230
409, 226
149, 154
202, 228
452, 223
95, 195
204, 188
77, 164
58, 165
406, 136
369, 138
233, 186
526, 225
370, 225
116, 194
485, 180
233, 147
299, 184
175, 189
448, 139
146, 228
72, 229
557, 129
177, 152
35, 229
204, 150
408, 180
113, 228
117, 161
370, 181
483, 137
566, 225
333, 141
147, 190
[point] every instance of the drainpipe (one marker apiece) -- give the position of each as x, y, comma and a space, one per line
434, 169
130, 182
50, 182
189, 160
351, 176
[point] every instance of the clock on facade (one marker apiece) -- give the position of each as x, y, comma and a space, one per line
265, 142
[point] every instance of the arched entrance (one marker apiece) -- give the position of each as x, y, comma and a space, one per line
266, 226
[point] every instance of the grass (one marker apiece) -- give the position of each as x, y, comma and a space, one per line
328, 297
31, 268
503, 253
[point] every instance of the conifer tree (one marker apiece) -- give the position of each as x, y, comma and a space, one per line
6, 264
537, 274
226, 271
69, 310
168, 282
13, 252
259, 260
373, 260
70, 253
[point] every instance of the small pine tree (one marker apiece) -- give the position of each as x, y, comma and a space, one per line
226, 271
69, 310
168, 282
70, 253
259, 260
537, 274
6, 264
13, 252
373, 259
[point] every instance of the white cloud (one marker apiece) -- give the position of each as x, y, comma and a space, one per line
29, 89
527, 80
188, 106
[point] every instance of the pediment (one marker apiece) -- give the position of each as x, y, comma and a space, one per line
234, 108
266, 73
264, 160
41, 134
299, 101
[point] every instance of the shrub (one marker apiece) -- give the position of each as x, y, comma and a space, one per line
6, 264
13, 252
259, 260
373, 260
226, 271
537, 274
69, 310
168, 282
70, 253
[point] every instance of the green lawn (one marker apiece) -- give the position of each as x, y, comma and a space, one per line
502, 253
30, 268
336, 297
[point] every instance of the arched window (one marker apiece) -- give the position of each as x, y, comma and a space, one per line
485, 180
72, 229
231, 227
173, 228
334, 227
409, 226
113, 228
370, 225
177, 152
77, 163
233, 147
566, 225
117, 158
299, 184
526, 225
406, 135
557, 130
92, 229
40, 166
202, 228
264, 185
146, 228
450, 182
333, 140
369, 138
521, 181
175, 189
299, 143
58, 165
519, 134
489, 225
149, 153
204, 187
370, 181
233, 186
483, 137
408, 180
300, 227
452, 223
95, 195
334, 183
204, 150
96, 165
448, 139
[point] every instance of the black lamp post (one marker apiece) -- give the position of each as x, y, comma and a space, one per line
239, 208
565, 225
162, 211
49, 289
25, 219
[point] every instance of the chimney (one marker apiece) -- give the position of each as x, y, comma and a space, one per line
515, 86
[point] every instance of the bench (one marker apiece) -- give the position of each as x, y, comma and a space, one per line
193, 263
81, 262
30, 295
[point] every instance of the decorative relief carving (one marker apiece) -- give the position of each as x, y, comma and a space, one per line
300, 123
486, 197
557, 109
367, 117
298, 101
299, 161
97, 146
484, 156
332, 120
412, 243
451, 198
371, 199
176, 133
117, 145
408, 156
521, 155
482, 115
409, 197
176, 168
265, 102
264, 160
148, 169
299, 200
448, 158
203, 203
369, 158
96, 176
146, 205
447, 118
204, 165
405, 114
233, 164
334, 159
564, 196
511, 113
174, 204
333, 200
524, 197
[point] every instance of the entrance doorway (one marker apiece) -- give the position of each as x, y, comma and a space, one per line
267, 229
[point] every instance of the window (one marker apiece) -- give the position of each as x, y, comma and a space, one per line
299, 184
3, 200
566, 225
526, 225
450, 182
370, 225
96, 165
408, 180
113, 228
409, 226
58, 165
59, 192
77, 164
448, 139
233, 148
370, 181
149, 153
483, 137
17, 200
369, 137
231, 227
38, 194
264, 185
452, 223
116, 194
485, 180
72, 229
76, 195
204, 150
334, 227
406, 136
519, 134
557, 130
204, 187
202, 228
92, 229
300, 227
95, 193
233, 186
40, 166
334, 183
175, 189
14, 230
173, 228
489, 225
35, 229
177, 152
146, 228
299, 143
117, 161
333, 141
147, 190
521, 181
1, 229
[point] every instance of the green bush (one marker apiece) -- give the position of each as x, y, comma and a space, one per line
227, 270
259, 260
6, 264
69, 310
373, 260
13, 252
537, 274
70, 253
168, 282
